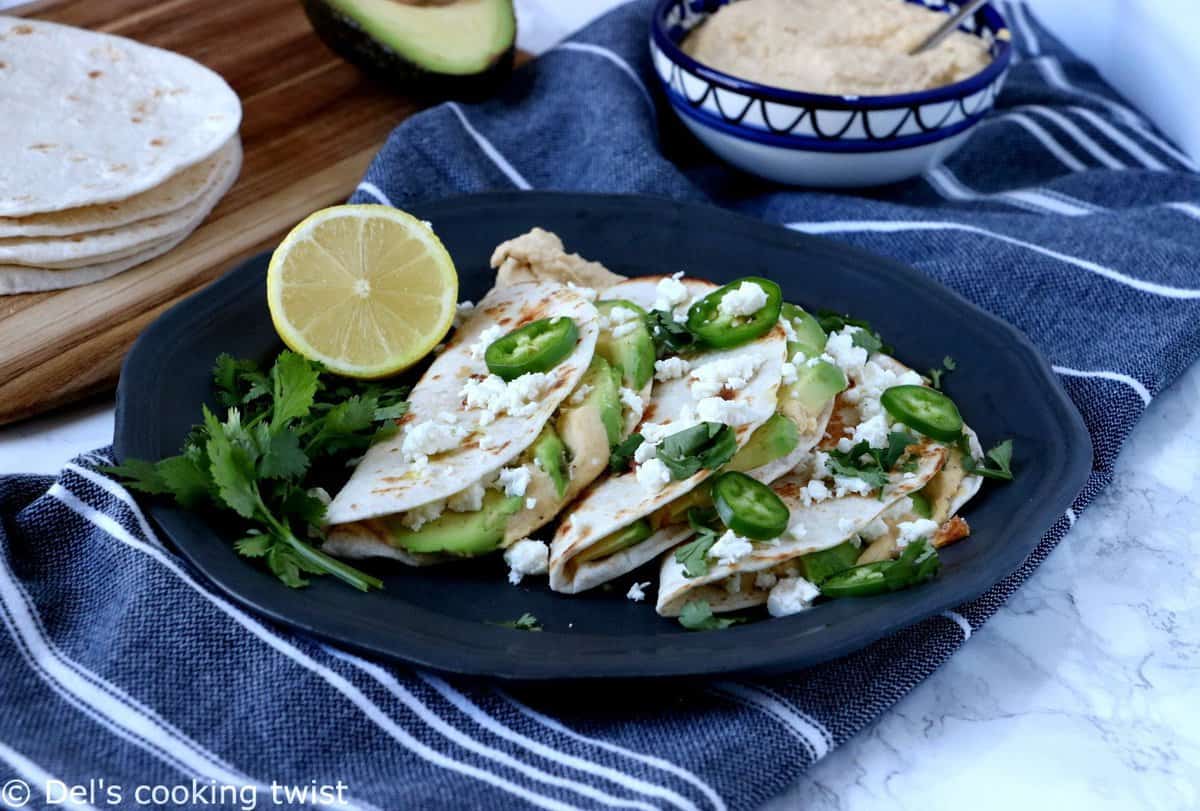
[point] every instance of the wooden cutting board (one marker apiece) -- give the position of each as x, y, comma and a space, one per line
311, 125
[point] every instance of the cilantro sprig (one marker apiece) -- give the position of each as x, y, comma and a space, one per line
949, 364
872, 465
697, 615
670, 337
707, 445
283, 428
621, 458
694, 554
996, 464
525, 622
866, 337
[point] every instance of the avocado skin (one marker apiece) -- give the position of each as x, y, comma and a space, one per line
344, 36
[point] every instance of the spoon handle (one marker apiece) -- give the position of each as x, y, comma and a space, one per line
945, 28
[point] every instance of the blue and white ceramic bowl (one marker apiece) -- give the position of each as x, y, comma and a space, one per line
812, 139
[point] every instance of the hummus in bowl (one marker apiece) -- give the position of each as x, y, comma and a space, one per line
856, 47
824, 92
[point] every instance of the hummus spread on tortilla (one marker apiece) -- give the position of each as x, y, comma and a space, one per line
837, 47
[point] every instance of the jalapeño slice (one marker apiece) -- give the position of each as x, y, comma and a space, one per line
925, 410
749, 508
719, 330
536, 347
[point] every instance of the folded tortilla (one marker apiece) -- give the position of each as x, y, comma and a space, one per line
620, 500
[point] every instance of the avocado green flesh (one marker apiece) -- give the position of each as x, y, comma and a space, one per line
774, 439
819, 565
810, 338
624, 538
466, 534
604, 396
460, 38
551, 456
815, 386
632, 353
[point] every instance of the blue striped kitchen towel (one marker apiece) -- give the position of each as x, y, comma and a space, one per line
1065, 214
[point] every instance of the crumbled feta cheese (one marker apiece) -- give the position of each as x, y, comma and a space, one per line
670, 293
493, 396
621, 330
791, 595
653, 432
840, 346
913, 530
418, 517
580, 394
425, 439
844, 444
814, 491
765, 581
789, 374
530, 503
726, 412
846, 525
681, 316
670, 368
731, 373
730, 548
513, 480
874, 431
633, 401
820, 466
621, 315
824, 357
797, 531
653, 474
486, 338
875, 529
526, 557
844, 485
637, 592
744, 300
586, 292
789, 331
462, 311
645, 452
467, 501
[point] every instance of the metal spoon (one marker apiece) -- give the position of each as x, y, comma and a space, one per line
945, 28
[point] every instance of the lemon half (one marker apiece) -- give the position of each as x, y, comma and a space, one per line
366, 290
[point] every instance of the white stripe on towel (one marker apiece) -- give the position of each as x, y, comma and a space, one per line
373, 191
959, 620
611, 56
1082, 138
886, 226
1046, 139
35, 776
812, 735
490, 150
1132, 382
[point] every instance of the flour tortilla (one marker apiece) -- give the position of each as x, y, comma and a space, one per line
827, 524
384, 484
22, 279
177, 192
91, 118
620, 500
82, 250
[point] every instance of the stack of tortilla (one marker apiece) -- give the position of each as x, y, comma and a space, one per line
111, 153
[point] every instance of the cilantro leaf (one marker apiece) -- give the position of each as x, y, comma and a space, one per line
708, 445
283, 457
935, 375
867, 338
391, 412
694, 554
670, 337
621, 457
186, 479
697, 615
872, 465
996, 465
294, 381
140, 475
525, 622
232, 465
253, 546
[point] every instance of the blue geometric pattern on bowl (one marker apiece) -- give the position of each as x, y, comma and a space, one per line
819, 122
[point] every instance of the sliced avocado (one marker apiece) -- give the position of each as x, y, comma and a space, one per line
774, 439
921, 505
633, 352
815, 386
810, 338
551, 456
466, 534
819, 565
445, 46
604, 395
623, 538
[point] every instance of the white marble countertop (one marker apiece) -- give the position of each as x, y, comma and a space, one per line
1082, 692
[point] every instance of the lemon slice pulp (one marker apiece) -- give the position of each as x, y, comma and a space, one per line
366, 290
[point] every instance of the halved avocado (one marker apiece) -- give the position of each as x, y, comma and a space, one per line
429, 46
633, 352
810, 338
613, 543
465, 534
815, 386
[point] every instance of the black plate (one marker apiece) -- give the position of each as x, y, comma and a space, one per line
440, 617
